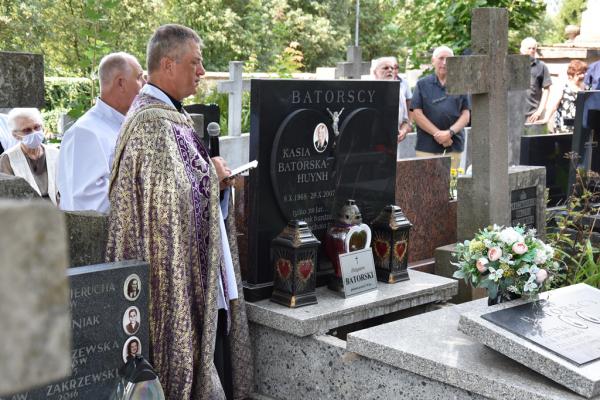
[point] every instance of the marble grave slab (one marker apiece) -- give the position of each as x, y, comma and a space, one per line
557, 336
430, 345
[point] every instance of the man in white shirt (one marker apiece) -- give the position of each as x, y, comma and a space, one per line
88, 147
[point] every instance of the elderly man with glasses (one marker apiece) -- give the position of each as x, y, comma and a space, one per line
29, 158
386, 68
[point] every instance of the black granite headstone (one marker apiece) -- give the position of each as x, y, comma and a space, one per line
211, 113
586, 133
549, 151
567, 324
109, 310
318, 143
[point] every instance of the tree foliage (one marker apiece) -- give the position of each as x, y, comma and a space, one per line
74, 34
448, 22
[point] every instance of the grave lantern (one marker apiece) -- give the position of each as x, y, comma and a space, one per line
294, 259
345, 235
390, 244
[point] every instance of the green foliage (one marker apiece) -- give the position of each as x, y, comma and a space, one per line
573, 238
75, 34
553, 28
207, 94
69, 93
72, 96
448, 22
288, 62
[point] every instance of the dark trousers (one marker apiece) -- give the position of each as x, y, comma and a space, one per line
223, 355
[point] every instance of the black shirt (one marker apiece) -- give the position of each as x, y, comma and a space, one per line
178, 105
540, 79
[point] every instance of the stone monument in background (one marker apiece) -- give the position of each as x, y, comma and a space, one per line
35, 339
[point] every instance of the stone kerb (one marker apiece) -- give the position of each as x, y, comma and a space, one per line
333, 311
13, 187
35, 339
431, 346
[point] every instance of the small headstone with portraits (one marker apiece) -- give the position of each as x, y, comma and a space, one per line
109, 310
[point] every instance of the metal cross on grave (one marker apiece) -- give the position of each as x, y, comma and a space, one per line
354, 67
235, 88
488, 75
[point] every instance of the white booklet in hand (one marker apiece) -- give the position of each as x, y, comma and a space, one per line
243, 168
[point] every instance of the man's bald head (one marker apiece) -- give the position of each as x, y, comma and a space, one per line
121, 78
113, 64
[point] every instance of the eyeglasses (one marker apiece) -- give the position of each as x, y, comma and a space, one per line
390, 68
28, 130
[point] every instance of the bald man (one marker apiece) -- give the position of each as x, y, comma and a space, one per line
88, 147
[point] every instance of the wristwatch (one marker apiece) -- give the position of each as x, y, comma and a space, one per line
452, 133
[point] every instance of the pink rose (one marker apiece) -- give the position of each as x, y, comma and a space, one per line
541, 276
494, 253
482, 264
519, 248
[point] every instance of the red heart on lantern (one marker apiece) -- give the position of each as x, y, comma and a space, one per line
400, 250
284, 268
305, 269
381, 248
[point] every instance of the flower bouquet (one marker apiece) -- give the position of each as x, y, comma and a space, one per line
509, 262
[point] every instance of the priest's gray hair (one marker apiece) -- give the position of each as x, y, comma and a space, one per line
167, 41
111, 65
438, 50
29, 113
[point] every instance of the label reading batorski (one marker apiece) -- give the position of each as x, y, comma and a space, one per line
358, 272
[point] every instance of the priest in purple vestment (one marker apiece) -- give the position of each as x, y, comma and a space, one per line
165, 209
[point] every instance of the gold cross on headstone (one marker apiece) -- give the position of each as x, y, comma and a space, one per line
488, 75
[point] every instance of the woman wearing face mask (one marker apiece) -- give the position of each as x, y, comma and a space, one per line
30, 159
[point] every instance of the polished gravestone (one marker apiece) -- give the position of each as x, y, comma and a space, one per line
549, 151
300, 176
109, 311
557, 335
586, 133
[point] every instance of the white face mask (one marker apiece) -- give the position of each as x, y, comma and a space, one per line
33, 140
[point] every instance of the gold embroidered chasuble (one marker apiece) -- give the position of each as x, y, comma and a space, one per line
164, 197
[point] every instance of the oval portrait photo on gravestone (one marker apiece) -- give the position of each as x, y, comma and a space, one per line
131, 320
132, 287
132, 348
321, 137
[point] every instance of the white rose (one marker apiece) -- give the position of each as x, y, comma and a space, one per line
549, 250
540, 257
510, 236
